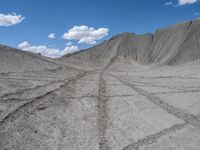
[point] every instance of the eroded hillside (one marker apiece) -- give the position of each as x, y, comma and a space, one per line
131, 92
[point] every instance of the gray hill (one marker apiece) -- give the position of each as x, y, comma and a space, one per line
12, 60
131, 92
169, 46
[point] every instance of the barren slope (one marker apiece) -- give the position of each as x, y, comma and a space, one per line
132, 92
169, 46
12, 60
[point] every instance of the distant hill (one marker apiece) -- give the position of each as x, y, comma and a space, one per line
172, 45
12, 60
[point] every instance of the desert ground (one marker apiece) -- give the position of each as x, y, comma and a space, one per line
105, 98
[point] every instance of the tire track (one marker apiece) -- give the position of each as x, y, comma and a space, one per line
23, 79
188, 118
23, 109
152, 138
33, 71
20, 93
102, 118
176, 92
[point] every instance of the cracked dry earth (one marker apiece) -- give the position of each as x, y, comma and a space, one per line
122, 106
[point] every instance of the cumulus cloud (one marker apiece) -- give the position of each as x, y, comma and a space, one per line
185, 2
69, 43
10, 19
51, 36
85, 34
168, 3
23, 45
70, 49
46, 51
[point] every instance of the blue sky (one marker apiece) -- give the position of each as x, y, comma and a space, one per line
43, 17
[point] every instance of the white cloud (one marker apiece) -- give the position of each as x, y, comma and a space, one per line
196, 13
185, 2
10, 19
51, 36
70, 49
168, 3
85, 34
23, 45
69, 44
46, 51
